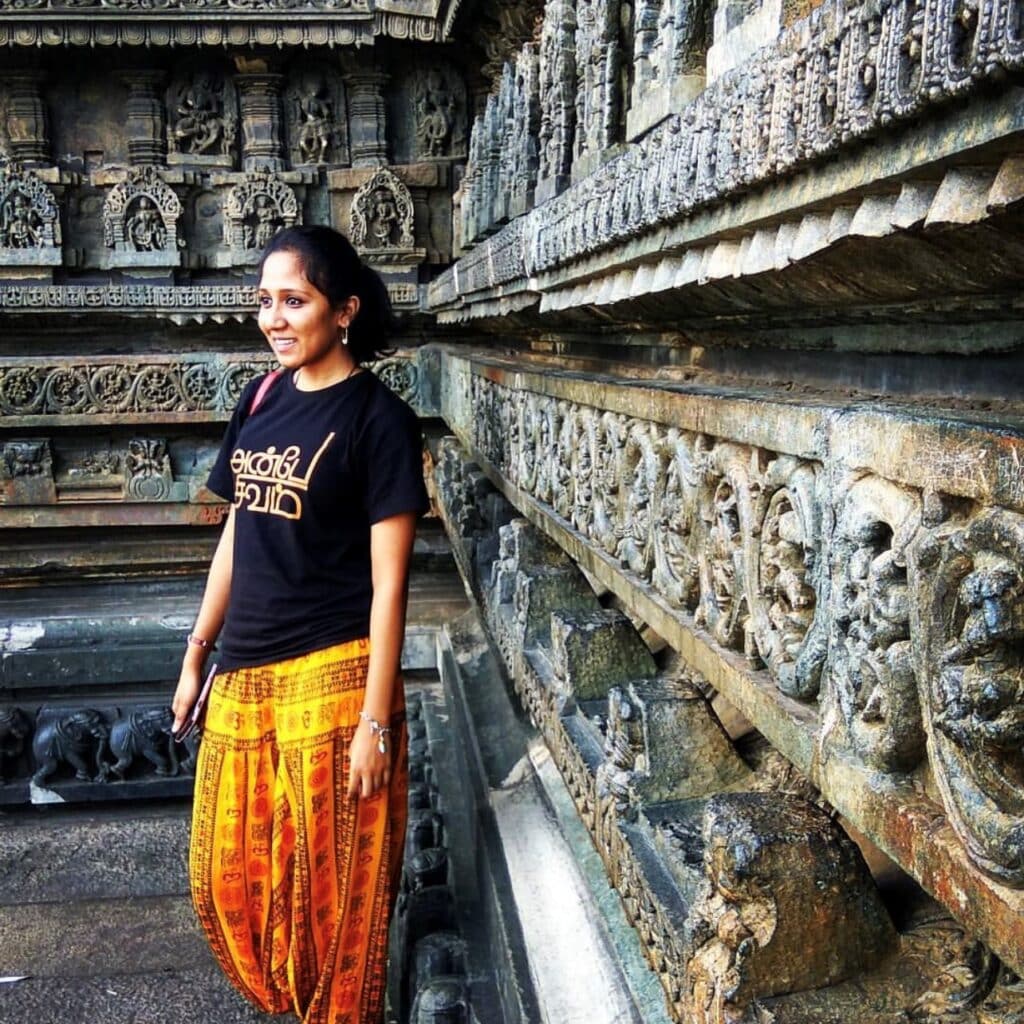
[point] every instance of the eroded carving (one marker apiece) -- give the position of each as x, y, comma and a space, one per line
202, 118
973, 621
317, 125
29, 218
874, 680
15, 729
256, 209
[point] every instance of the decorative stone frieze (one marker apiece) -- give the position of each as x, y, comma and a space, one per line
523, 155
132, 388
43, 27
873, 584
832, 79
715, 864
140, 221
29, 219
256, 209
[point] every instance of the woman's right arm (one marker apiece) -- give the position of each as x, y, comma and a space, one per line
208, 623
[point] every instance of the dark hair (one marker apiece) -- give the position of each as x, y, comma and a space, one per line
333, 267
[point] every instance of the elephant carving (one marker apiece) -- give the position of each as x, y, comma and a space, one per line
76, 738
146, 734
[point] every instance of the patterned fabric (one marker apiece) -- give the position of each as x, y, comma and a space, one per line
294, 882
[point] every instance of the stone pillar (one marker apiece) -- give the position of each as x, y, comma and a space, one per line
367, 117
145, 122
27, 125
262, 125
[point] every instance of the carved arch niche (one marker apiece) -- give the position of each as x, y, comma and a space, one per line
29, 219
257, 208
428, 113
316, 116
140, 222
382, 219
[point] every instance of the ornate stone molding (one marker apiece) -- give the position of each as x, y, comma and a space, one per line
833, 79
836, 618
182, 303
138, 388
382, 215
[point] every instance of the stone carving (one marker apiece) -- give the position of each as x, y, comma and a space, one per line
676, 569
523, 155
765, 860
26, 472
202, 117
15, 729
845, 72
789, 565
873, 677
641, 474
256, 209
382, 214
610, 447
317, 127
557, 96
144, 735
140, 220
147, 470
598, 57
76, 738
972, 579
29, 219
437, 106
401, 375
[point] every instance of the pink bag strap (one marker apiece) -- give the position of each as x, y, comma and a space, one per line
261, 392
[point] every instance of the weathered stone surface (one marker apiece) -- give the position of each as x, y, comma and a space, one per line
771, 543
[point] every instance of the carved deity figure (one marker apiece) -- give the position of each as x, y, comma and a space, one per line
724, 555
261, 224
435, 115
316, 117
77, 738
19, 223
383, 217
676, 572
382, 213
636, 547
199, 125
145, 227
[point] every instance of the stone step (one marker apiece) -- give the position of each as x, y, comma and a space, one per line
196, 995
58, 638
104, 853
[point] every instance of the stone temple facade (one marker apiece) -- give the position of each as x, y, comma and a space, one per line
713, 318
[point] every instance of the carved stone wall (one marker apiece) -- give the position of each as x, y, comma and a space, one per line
852, 596
716, 860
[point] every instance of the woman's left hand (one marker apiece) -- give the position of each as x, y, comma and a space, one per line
369, 769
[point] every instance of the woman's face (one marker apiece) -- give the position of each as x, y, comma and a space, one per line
298, 320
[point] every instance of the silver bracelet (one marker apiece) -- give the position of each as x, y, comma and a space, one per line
378, 730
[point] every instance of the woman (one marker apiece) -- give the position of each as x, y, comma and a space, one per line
301, 783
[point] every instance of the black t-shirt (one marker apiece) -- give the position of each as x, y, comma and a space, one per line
309, 472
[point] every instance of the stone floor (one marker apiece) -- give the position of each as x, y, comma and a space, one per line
95, 922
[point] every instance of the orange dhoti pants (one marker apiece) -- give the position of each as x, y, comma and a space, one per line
294, 882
